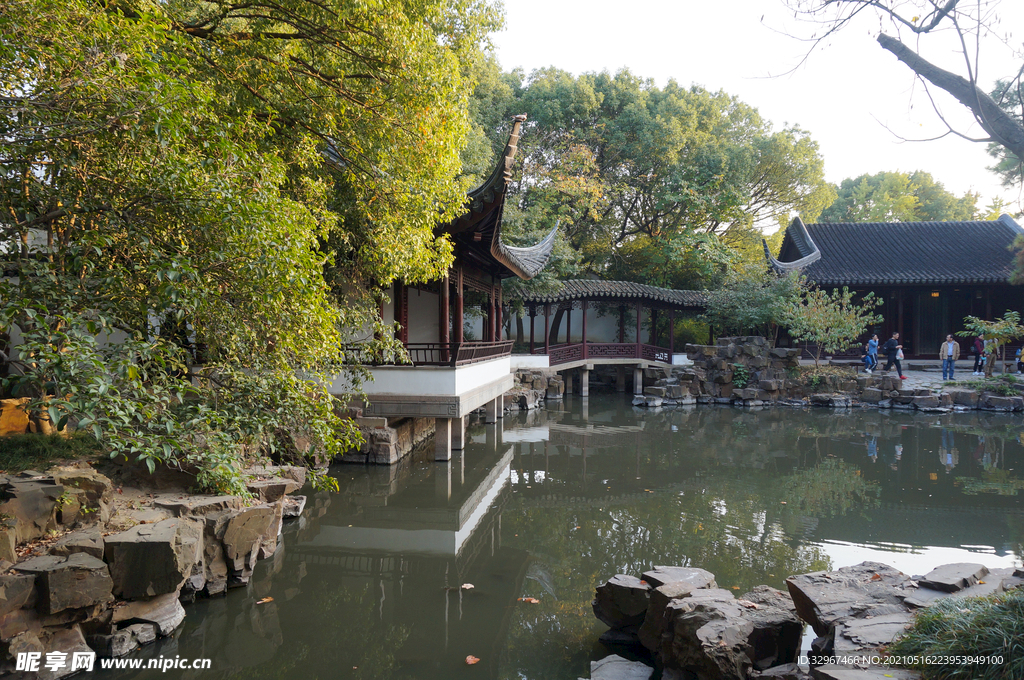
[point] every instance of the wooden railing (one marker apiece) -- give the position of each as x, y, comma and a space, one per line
566, 352
442, 353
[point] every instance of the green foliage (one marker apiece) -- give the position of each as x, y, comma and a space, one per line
898, 197
998, 333
753, 299
648, 184
740, 375
164, 183
974, 626
833, 321
38, 452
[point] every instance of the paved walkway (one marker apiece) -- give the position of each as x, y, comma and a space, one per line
930, 379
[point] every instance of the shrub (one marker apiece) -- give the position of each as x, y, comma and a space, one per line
975, 627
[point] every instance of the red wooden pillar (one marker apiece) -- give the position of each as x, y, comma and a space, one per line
568, 324
442, 319
533, 317
499, 323
671, 334
584, 337
460, 319
639, 309
547, 331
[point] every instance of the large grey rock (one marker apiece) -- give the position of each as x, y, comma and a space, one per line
870, 588
953, 577
853, 636
616, 668
198, 506
695, 577
97, 488
788, 671
621, 602
164, 611
16, 591
656, 623
71, 582
293, 506
153, 559
707, 636
32, 502
88, 541
778, 630
67, 641
119, 643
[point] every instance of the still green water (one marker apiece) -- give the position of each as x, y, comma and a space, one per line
374, 582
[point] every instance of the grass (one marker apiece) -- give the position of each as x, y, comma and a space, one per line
974, 627
1005, 385
20, 452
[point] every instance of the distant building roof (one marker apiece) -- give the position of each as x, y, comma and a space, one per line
593, 289
923, 253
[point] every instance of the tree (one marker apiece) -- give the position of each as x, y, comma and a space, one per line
638, 174
972, 23
898, 197
998, 334
833, 321
753, 299
181, 176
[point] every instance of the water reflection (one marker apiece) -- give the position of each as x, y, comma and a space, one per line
369, 581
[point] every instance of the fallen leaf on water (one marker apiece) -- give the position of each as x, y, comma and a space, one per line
265, 600
783, 502
470, 660
735, 587
531, 600
468, 586
748, 604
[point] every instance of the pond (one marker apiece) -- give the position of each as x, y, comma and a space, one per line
412, 568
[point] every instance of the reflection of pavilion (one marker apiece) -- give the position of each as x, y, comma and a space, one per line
414, 542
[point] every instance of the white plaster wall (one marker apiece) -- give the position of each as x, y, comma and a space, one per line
428, 380
423, 321
681, 360
529, 360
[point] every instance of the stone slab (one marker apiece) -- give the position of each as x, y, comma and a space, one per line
953, 577
695, 577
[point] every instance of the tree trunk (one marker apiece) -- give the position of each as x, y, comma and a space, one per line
556, 325
1002, 127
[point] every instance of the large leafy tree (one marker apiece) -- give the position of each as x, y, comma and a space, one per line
652, 183
898, 197
178, 177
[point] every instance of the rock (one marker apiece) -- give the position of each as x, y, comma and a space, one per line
271, 490
99, 490
854, 636
616, 668
707, 636
991, 402
823, 599
787, 671
68, 641
24, 643
692, 576
164, 611
32, 502
153, 559
20, 621
8, 540
832, 672
71, 582
198, 506
621, 602
651, 634
119, 643
655, 391
831, 400
16, 591
88, 541
871, 395
293, 506
964, 397
144, 633
777, 630
13, 418
923, 402
950, 578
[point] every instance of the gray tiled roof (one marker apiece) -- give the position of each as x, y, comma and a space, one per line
923, 253
592, 289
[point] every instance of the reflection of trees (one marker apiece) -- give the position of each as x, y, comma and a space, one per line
994, 480
828, 489
724, 523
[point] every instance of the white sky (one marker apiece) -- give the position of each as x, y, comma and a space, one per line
844, 94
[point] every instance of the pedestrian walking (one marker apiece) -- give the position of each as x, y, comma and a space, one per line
873, 352
893, 353
949, 352
978, 349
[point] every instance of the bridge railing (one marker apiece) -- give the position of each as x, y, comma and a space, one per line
577, 351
